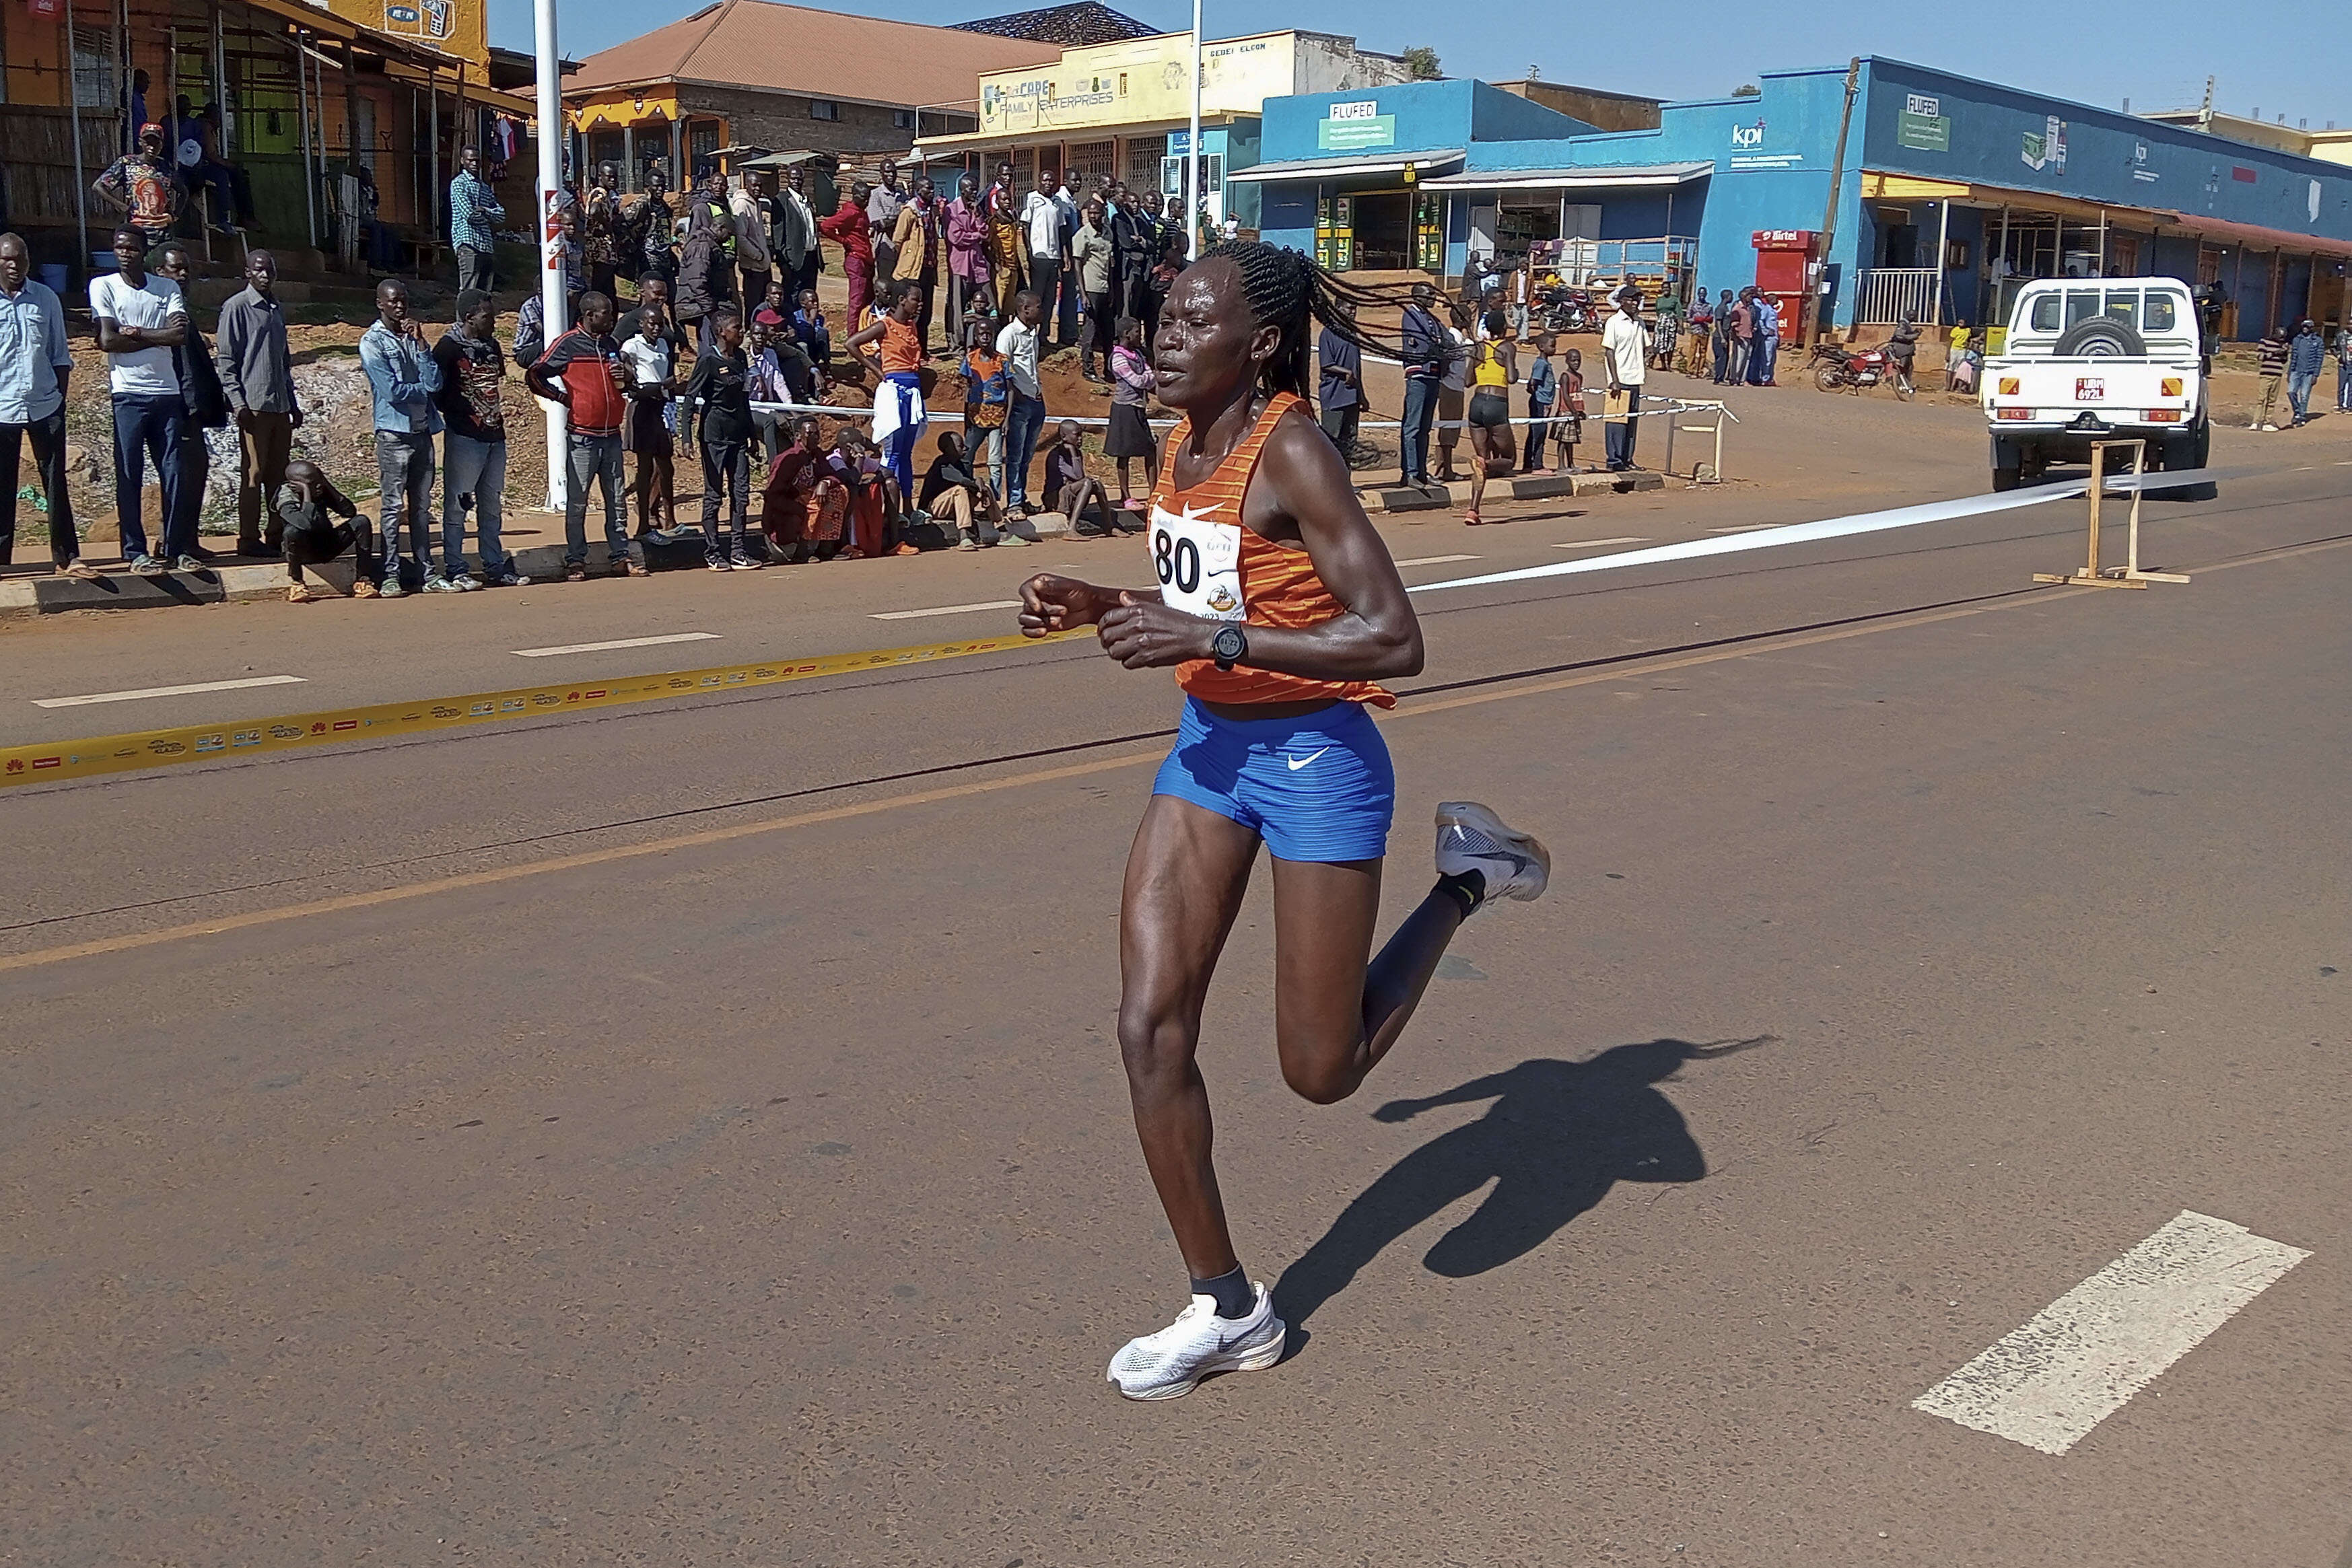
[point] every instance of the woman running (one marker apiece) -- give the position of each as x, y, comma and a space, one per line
1279, 609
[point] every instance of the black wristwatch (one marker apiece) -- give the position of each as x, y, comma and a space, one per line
1228, 647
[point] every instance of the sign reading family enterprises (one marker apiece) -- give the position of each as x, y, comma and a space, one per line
1923, 126
1356, 125
1133, 81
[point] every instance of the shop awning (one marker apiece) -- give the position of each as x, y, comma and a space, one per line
2260, 238
1340, 168
617, 111
1005, 141
1622, 176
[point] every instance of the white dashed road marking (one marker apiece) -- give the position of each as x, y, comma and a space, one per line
616, 642
945, 610
1743, 528
1596, 544
2081, 1358
168, 691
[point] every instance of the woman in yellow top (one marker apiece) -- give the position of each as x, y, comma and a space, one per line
1280, 609
1493, 367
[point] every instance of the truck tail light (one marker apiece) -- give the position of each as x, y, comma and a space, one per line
2168, 387
2009, 386
2013, 413
2164, 415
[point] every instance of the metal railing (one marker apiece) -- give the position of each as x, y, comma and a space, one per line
1888, 292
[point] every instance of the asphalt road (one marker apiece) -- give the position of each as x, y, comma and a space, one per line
694, 1135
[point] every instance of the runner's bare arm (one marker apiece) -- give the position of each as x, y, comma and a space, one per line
1053, 603
1302, 488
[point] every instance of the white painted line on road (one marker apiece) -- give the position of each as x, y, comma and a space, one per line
168, 691
1743, 528
2081, 1358
1596, 544
616, 642
945, 610
1435, 559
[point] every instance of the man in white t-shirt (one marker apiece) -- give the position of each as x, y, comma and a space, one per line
1024, 415
1625, 353
1047, 240
140, 319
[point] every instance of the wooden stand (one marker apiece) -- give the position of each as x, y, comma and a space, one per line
2129, 574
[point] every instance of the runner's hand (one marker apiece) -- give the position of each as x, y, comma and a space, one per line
1050, 603
1143, 634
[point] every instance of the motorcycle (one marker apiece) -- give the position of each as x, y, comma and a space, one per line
1567, 310
1835, 370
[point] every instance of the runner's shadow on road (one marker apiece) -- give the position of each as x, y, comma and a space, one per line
1559, 1136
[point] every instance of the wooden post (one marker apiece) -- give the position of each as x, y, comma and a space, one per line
2129, 574
302, 104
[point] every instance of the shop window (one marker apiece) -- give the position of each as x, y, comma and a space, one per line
903, 118
1084, 160
824, 108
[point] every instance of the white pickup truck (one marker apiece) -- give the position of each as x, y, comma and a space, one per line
2096, 358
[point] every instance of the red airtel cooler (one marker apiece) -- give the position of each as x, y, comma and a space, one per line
1784, 259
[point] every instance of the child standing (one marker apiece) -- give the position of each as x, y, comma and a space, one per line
721, 380
645, 432
1568, 428
1543, 385
1129, 435
987, 398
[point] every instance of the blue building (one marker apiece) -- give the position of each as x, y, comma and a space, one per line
1952, 191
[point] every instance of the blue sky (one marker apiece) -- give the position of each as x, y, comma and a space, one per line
2297, 61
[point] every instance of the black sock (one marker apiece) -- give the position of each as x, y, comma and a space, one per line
1236, 1297
1466, 888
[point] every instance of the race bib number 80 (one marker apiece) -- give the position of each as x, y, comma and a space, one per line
1198, 563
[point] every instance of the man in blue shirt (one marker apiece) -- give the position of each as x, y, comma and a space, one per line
403, 377
1342, 389
1427, 353
473, 213
33, 366
1761, 358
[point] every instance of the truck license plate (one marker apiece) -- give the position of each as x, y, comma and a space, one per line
2090, 389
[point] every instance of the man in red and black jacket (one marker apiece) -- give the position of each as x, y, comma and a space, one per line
582, 370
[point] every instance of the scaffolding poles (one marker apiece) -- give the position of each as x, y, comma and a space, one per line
302, 104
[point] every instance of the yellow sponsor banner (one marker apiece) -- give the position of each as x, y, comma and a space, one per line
52, 760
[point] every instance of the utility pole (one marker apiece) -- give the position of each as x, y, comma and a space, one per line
1193, 146
1837, 178
550, 267
2205, 109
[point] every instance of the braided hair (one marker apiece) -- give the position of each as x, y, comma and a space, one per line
1286, 289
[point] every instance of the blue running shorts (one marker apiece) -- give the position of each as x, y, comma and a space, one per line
1316, 788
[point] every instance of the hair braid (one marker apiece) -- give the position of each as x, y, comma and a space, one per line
1290, 290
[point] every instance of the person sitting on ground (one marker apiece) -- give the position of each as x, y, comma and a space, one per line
1073, 492
953, 496
867, 487
652, 360
1129, 435
801, 517
303, 530
815, 337
775, 311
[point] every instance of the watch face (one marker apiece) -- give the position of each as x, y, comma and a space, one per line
1228, 644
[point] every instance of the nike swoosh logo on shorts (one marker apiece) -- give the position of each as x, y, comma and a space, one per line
1298, 762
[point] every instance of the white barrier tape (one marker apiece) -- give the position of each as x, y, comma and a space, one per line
1826, 528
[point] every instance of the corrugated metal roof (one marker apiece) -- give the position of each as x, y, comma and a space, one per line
764, 46
1074, 26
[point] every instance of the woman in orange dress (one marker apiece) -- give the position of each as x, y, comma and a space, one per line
1280, 611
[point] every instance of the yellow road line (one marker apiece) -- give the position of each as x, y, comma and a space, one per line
47, 762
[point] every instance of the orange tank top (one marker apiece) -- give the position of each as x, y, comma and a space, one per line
902, 346
1209, 564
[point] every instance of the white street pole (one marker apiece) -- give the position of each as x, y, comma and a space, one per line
550, 271
1193, 146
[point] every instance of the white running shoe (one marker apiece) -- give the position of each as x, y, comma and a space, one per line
1470, 837
1170, 1363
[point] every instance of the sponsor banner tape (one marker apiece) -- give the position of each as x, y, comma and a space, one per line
51, 760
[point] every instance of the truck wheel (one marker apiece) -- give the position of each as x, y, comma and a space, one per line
2004, 479
2100, 338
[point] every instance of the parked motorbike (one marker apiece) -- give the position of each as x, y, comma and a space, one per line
1567, 310
1836, 369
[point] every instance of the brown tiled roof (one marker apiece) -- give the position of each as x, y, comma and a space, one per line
800, 49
